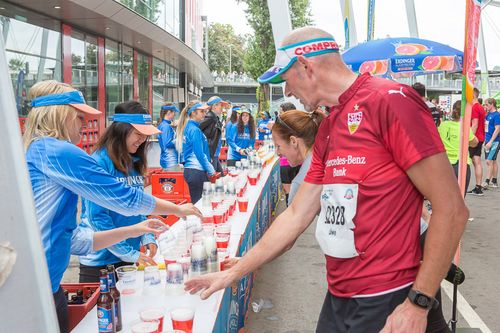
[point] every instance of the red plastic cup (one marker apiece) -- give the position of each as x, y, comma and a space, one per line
221, 256
243, 204
215, 203
182, 319
218, 217
153, 314
252, 180
222, 242
208, 217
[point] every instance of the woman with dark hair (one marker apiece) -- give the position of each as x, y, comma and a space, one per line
166, 139
240, 137
121, 151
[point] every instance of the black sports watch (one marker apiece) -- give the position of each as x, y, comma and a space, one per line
422, 300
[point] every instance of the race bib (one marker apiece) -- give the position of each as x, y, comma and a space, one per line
335, 226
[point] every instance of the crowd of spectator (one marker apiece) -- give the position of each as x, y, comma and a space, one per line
233, 76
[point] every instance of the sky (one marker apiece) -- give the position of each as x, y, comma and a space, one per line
438, 20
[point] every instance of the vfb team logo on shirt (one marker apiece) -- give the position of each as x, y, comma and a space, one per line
354, 119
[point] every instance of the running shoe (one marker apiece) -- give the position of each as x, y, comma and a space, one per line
494, 185
485, 186
476, 191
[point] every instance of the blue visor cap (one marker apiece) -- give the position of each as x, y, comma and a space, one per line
141, 122
73, 98
197, 106
237, 109
170, 107
287, 55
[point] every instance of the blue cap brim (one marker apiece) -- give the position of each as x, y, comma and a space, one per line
272, 75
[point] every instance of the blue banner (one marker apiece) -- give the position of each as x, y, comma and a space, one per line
236, 300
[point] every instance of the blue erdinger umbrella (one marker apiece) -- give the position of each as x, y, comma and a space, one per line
402, 57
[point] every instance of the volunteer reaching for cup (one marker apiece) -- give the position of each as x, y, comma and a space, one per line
192, 144
375, 157
121, 152
60, 172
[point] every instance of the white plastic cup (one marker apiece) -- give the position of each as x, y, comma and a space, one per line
127, 275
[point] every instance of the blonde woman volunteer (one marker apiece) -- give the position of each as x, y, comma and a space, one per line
60, 172
192, 145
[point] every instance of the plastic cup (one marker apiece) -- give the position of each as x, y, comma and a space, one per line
218, 216
182, 319
252, 179
153, 314
215, 203
127, 276
152, 280
223, 230
174, 274
208, 229
185, 262
208, 217
243, 204
169, 260
222, 242
139, 326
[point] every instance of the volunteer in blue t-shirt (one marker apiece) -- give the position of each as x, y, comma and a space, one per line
492, 141
60, 172
262, 125
121, 151
192, 144
240, 137
166, 140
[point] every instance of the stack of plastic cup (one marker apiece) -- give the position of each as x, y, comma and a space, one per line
175, 279
152, 280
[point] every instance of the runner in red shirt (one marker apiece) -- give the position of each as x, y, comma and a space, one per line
375, 157
478, 117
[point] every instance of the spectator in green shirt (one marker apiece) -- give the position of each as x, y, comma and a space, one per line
449, 131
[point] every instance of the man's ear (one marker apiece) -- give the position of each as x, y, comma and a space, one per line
305, 64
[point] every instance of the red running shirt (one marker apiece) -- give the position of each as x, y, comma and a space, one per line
479, 114
378, 131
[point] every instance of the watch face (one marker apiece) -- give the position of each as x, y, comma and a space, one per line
422, 300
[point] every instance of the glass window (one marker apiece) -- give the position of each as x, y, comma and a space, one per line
127, 73
114, 89
33, 54
159, 87
84, 66
143, 78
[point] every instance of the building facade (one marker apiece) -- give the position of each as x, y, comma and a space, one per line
112, 51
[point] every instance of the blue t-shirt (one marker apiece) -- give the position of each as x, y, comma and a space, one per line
195, 151
262, 124
59, 172
101, 219
166, 140
237, 141
492, 120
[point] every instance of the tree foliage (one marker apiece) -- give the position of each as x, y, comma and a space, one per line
223, 43
261, 49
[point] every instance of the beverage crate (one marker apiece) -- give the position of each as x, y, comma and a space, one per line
76, 312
